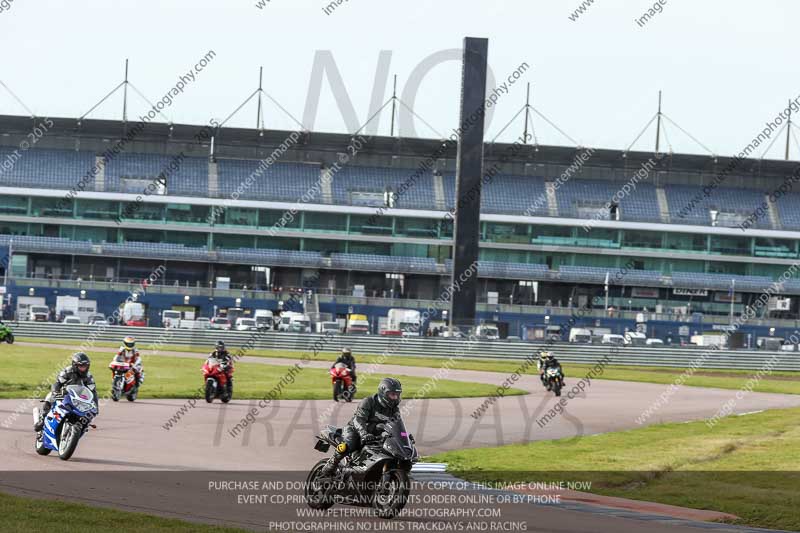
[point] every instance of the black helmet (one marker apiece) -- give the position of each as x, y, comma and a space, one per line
80, 359
389, 392
347, 352
220, 346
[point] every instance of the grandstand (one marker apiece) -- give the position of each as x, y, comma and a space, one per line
306, 218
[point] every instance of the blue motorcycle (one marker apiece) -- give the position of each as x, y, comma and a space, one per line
68, 420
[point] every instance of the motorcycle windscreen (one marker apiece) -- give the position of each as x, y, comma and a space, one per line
80, 397
399, 442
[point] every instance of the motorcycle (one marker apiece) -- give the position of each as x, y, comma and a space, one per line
217, 383
68, 420
343, 386
375, 476
5, 334
554, 379
123, 382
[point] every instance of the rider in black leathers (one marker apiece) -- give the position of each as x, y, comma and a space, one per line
364, 428
75, 374
348, 360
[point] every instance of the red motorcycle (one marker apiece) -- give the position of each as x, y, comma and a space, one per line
215, 372
123, 382
343, 386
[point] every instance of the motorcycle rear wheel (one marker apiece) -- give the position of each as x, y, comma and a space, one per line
10, 338
133, 394
391, 497
314, 490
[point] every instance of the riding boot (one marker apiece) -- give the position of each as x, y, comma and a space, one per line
333, 462
38, 426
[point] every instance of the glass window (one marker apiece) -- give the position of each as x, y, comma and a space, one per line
417, 227
324, 222
99, 209
515, 233
94, 234
187, 238
51, 207
13, 205
268, 218
142, 211
190, 214
226, 240
240, 216
371, 224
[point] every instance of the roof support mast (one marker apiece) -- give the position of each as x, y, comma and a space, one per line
788, 130
658, 125
125, 94
527, 113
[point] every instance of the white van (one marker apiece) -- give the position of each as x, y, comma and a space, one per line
610, 338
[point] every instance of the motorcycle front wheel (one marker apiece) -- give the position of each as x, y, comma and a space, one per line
210, 390
391, 495
337, 390
10, 338
69, 441
116, 388
39, 445
316, 492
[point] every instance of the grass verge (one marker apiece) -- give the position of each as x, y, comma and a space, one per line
22, 369
745, 465
27, 515
777, 382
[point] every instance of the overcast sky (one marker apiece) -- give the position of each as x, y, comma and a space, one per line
725, 66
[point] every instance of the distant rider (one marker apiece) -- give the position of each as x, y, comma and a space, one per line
363, 427
348, 360
75, 374
129, 354
223, 356
546, 360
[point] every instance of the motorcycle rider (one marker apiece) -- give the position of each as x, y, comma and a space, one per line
77, 373
223, 356
348, 360
128, 353
364, 428
546, 360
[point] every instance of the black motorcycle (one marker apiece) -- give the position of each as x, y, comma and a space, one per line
554, 379
376, 476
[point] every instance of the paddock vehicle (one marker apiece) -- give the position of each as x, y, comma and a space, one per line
376, 476
215, 372
343, 386
554, 379
6, 334
123, 381
68, 420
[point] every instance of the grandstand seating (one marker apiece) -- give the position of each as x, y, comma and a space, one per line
640, 205
47, 169
384, 263
788, 207
272, 257
417, 192
505, 194
289, 182
185, 176
737, 202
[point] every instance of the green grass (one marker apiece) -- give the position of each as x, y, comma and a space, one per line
25, 515
22, 369
748, 466
665, 375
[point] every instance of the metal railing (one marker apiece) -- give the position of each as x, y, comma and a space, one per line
152, 338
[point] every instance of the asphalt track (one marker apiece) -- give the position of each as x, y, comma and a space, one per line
147, 467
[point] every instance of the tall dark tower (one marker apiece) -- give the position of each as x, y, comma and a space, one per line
469, 174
